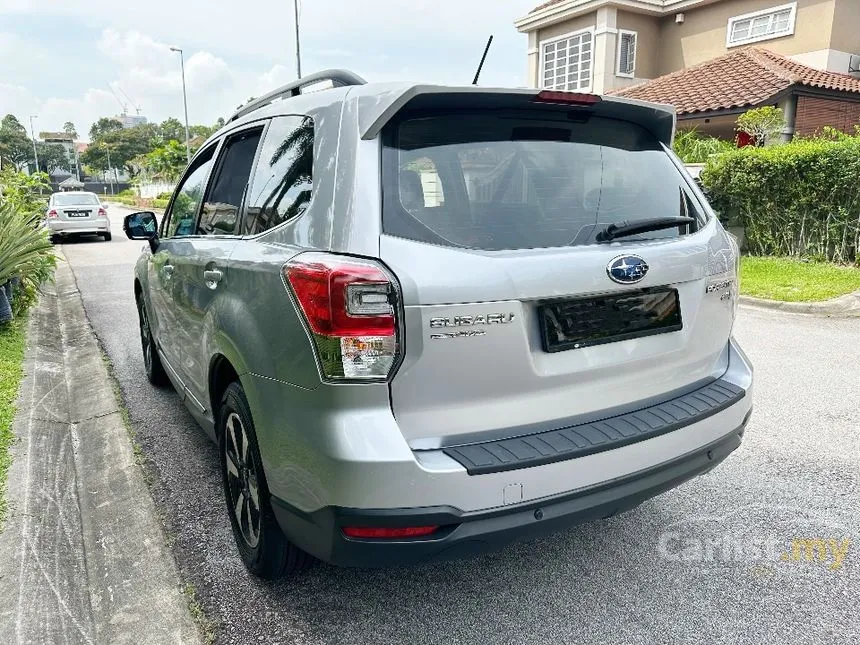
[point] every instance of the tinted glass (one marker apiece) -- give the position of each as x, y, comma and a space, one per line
221, 209
75, 199
491, 182
283, 182
183, 212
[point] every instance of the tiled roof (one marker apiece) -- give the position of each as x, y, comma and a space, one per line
742, 78
545, 5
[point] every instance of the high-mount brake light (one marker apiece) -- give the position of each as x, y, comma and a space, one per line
349, 306
569, 98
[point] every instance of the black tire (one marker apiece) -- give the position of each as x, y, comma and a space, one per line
107, 237
55, 239
155, 373
264, 549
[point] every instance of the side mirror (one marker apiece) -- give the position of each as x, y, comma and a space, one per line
141, 226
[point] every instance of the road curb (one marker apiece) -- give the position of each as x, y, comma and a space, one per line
847, 305
83, 556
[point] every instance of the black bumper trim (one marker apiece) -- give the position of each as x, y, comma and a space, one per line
589, 438
463, 534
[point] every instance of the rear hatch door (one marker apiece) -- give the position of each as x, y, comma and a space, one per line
517, 319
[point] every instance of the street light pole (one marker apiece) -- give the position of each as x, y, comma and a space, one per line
107, 147
184, 103
298, 48
33, 136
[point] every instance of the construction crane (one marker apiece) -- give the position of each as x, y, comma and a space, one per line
122, 105
130, 100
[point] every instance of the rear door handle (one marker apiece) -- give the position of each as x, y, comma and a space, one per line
168, 270
212, 277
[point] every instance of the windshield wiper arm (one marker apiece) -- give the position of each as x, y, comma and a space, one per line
626, 228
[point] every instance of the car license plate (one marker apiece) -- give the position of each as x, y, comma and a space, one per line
584, 322
77, 213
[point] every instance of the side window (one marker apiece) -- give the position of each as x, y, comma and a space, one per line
188, 197
283, 182
220, 212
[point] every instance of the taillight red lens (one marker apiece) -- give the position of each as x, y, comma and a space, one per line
572, 98
388, 533
349, 308
52, 213
102, 212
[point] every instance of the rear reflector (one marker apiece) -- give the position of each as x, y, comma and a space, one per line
388, 533
570, 98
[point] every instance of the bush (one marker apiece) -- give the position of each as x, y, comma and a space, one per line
164, 196
26, 255
693, 147
799, 199
158, 202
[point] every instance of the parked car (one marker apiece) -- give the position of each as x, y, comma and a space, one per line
77, 213
421, 322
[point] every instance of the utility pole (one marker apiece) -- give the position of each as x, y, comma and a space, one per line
107, 147
33, 136
184, 103
298, 47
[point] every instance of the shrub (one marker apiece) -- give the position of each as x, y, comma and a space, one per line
165, 196
160, 203
797, 199
693, 147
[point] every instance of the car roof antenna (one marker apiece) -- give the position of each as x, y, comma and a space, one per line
483, 58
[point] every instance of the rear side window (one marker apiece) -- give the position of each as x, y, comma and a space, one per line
220, 212
283, 182
495, 182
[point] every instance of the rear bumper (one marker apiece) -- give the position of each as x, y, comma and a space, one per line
61, 227
466, 534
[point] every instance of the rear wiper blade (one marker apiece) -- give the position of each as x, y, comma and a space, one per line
626, 228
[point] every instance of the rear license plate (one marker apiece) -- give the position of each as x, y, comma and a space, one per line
77, 213
584, 322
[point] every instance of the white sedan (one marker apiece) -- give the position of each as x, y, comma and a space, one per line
77, 213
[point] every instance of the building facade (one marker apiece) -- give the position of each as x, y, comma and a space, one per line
604, 45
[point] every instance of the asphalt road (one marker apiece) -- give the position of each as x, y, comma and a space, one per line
702, 563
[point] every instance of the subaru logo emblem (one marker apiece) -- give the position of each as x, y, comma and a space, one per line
627, 269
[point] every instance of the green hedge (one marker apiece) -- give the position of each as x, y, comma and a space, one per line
159, 202
799, 199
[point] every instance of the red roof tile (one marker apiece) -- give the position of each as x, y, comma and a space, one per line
742, 78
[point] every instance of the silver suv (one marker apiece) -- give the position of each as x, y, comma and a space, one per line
421, 322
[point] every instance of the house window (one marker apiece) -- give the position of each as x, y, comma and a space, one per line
567, 62
626, 53
761, 25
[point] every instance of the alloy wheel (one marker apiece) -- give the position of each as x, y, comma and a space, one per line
242, 482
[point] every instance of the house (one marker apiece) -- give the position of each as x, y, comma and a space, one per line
68, 142
603, 45
710, 96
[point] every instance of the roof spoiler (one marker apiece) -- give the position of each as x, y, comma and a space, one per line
377, 110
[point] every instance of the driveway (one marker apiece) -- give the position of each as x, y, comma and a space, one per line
722, 559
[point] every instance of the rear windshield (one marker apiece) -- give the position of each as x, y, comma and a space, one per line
498, 182
75, 199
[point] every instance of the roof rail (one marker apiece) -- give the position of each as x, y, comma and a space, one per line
338, 77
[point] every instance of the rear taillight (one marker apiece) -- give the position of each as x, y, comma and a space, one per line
351, 310
364, 532
102, 212
52, 213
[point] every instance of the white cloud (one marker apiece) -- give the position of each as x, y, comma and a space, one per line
231, 55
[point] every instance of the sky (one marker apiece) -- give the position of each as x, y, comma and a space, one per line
59, 59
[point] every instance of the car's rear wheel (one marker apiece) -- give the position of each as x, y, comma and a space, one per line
55, 239
107, 237
264, 549
151, 361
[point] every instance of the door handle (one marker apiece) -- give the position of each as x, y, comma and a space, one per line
212, 277
168, 270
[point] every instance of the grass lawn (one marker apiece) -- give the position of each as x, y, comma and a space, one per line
11, 357
791, 280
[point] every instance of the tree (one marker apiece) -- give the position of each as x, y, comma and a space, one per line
172, 129
52, 156
15, 146
762, 124
166, 162
69, 128
103, 126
